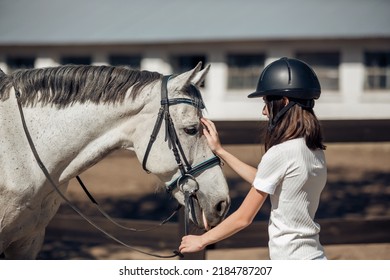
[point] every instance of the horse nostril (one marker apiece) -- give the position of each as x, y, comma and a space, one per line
222, 207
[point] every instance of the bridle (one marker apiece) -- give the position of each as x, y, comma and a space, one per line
187, 172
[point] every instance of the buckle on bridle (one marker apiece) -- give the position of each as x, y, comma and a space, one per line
189, 196
181, 186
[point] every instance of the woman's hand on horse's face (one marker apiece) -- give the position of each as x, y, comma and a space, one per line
211, 134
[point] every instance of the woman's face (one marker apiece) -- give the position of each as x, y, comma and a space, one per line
266, 105
265, 108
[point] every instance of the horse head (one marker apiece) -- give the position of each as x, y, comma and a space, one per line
171, 145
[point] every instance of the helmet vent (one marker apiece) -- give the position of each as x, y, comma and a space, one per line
289, 69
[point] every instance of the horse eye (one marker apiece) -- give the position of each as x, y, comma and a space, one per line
191, 130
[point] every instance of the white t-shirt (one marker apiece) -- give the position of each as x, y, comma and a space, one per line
294, 176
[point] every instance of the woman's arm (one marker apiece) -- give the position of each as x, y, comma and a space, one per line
237, 221
247, 172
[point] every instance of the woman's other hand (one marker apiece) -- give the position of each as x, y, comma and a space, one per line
191, 244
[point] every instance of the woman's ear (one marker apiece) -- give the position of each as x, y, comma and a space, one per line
285, 100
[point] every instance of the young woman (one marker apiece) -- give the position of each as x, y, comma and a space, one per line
292, 171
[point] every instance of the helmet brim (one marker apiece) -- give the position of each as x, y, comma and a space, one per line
256, 94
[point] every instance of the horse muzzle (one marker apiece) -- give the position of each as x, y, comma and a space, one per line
205, 216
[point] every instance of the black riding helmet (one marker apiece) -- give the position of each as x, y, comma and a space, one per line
291, 78
288, 77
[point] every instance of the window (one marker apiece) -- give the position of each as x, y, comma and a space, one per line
183, 63
244, 70
15, 63
132, 61
76, 60
377, 75
326, 65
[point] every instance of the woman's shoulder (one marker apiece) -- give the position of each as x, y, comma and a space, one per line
282, 150
291, 148
290, 144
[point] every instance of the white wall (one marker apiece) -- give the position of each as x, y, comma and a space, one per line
350, 102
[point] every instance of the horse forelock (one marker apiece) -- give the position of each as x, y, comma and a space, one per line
193, 92
65, 85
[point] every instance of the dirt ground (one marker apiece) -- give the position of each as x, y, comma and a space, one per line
358, 187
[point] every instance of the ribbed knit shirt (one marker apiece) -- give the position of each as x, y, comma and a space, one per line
294, 176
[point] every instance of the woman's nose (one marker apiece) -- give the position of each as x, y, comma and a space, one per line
265, 110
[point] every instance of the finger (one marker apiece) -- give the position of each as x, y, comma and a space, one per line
210, 128
205, 123
206, 133
213, 126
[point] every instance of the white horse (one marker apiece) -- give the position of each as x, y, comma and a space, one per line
76, 115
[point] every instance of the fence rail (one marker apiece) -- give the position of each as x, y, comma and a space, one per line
250, 132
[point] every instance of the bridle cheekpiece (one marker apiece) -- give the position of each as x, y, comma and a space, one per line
186, 169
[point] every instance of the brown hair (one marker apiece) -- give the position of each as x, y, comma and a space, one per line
296, 122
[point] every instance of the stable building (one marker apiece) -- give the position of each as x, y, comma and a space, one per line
347, 42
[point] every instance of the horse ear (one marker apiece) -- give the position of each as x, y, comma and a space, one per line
186, 78
200, 76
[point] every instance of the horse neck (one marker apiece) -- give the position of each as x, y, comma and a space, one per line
72, 139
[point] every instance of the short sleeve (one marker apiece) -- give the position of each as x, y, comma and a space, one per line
271, 170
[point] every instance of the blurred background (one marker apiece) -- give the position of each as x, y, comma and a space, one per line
347, 42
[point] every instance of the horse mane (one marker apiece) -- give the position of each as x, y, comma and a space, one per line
5, 84
65, 85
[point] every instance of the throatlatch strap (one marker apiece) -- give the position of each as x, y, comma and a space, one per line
274, 121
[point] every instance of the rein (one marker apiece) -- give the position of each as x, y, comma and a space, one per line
105, 214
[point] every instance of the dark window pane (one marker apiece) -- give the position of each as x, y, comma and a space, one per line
244, 70
76, 60
377, 70
132, 61
17, 62
326, 65
183, 63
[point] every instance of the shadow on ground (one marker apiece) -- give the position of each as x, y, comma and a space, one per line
365, 196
